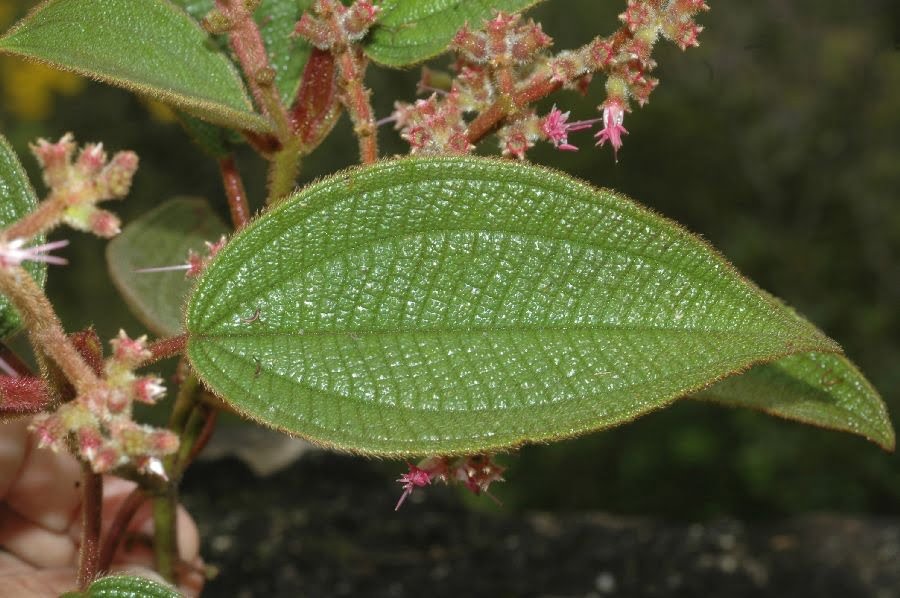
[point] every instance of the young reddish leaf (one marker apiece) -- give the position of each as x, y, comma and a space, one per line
22, 395
316, 109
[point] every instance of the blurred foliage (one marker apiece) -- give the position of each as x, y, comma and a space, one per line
778, 140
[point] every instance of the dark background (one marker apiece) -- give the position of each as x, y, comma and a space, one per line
778, 140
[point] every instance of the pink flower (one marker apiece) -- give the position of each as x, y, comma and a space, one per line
12, 253
556, 129
613, 115
415, 478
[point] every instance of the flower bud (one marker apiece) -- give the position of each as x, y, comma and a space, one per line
148, 389
91, 159
49, 431
130, 352
55, 159
90, 441
104, 224
115, 180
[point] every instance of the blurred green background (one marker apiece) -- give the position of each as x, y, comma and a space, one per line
778, 140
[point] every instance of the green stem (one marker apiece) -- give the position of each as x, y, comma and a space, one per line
283, 171
165, 543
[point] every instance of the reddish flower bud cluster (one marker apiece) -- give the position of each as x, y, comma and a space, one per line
505, 61
433, 126
502, 41
99, 423
332, 26
476, 473
80, 184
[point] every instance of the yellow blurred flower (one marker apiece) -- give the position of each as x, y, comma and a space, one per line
28, 89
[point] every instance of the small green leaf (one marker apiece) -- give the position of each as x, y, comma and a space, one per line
822, 389
149, 46
463, 305
410, 31
276, 20
161, 237
211, 139
126, 586
17, 198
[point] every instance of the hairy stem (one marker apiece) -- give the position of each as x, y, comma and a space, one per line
166, 347
119, 525
250, 51
45, 217
234, 190
283, 171
91, 517
494, 116
44, 326
355, 97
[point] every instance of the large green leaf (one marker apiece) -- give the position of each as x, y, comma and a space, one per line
410, 31
276, 20
126, 586
161, 237
17, 198
149, 46
822, 389
461, 305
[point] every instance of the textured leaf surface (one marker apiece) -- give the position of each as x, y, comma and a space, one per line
823, 389
17, 198
149, 46
276, 20
462, 305
161, 237
126, 586
410, 31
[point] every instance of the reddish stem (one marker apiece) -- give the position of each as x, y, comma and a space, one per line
265, 144
116, 532
234, 190
91, 517
44, 217
248, 47
489, 120
355, 97
166, 347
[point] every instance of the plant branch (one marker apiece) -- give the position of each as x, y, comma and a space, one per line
250, 51
355, 97
235, 191
46, 216
166, 347
44, 326
283, 170
116, 531
91, 517
165, 540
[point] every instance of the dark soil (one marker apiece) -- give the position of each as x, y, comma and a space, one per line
326, 527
